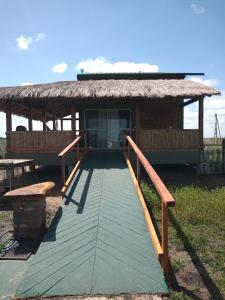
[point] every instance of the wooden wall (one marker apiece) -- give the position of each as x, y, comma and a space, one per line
161, 114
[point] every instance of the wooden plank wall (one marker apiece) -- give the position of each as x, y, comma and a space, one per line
161, 114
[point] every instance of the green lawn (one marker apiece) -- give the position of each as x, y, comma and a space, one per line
2, 147
197, 225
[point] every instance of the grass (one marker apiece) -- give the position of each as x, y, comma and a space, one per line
2, 147
197, 225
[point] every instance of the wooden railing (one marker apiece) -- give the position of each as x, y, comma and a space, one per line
168, 139
161, 247
79, 157
38, 141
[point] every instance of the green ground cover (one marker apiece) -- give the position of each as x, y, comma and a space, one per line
197, 225
2, 147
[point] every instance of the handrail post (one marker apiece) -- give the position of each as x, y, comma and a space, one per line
124, 143
164, 234
138, 175
63, 169
78, 151
128, 151
85, 141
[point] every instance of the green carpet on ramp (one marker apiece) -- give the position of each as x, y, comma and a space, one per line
98, 242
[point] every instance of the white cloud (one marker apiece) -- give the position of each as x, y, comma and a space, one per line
23, 43
102, 65
60, 68
26, 83
197, 9
212, 106
40, 36
210, 82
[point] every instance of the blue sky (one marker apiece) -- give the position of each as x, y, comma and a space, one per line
46, 41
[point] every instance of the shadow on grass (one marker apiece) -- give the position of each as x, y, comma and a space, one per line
209, 283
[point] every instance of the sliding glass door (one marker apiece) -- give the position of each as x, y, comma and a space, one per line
105, 127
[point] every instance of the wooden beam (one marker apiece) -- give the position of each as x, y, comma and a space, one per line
189, 102
73, 117
44, 118
54, 123
30, 121
61, 123
137, 122
137, 117
200, 122
9, 117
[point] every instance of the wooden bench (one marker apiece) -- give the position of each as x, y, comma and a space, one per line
29, 209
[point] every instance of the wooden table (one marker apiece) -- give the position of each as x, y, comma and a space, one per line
9, 166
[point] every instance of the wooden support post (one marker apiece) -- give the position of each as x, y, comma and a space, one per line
137, 122
124, 144
164, 234
85, 141
54, 123
44, 119
30, 123
9, 117
63, 170
200, 122
78, 151
61, 123
128, 151
138, 175
73, 117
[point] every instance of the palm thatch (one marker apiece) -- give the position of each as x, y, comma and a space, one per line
109, 89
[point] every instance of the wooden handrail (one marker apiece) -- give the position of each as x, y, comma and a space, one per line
165, 195
70, 146
79, 157
167, 199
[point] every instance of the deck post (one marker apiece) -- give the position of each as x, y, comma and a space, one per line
44, 118
73, 117
9, 117
78, 151
200, 122
85, 141
137, 122
63, 170
54, 123
30, 123
138, 171
61, 124
164, 234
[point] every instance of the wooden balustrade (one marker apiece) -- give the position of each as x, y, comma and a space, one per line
38, 141
168, 139
165, 196
75, 144
149, 139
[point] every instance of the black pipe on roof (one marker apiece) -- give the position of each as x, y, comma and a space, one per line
137, 76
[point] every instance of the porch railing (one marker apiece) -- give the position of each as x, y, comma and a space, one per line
146, 139
168, 139
38, 141
161, 247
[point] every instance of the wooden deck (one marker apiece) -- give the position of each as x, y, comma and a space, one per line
98, 243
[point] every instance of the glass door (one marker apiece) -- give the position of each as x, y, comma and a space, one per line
105, 127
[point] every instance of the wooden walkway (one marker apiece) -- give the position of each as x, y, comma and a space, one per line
98, 243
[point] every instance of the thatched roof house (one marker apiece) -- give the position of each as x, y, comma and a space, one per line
152, 101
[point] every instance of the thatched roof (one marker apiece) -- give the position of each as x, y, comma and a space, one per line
56, 97
109, 89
